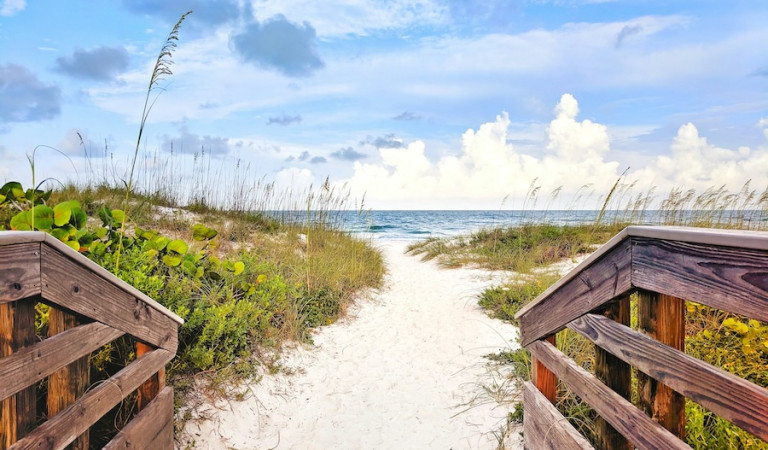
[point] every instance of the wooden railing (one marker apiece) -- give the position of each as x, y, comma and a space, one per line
664, 266
88, 308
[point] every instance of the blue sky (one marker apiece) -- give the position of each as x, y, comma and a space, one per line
414, 103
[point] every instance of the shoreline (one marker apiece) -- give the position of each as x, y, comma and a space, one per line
404, 369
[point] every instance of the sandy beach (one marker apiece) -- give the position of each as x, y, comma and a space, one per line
404, 370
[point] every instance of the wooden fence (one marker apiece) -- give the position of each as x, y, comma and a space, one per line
665, 266
88, 308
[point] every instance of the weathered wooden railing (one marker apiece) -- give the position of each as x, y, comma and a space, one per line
88, 308
665, 266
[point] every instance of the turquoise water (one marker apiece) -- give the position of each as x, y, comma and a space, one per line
415, 225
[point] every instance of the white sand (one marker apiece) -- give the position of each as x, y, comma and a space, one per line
393, 375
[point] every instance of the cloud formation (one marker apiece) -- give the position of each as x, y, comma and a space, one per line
24, 98
348, 154
573, 157
100, 64
284, 120
11, 7
280, 45
192, 143
407, 116
386, 141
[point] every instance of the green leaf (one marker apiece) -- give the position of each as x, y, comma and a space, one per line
62, 213
189, 268
171, 260
22, 221
43, 216
79, 218
74, 245
239, 267
12, 190
178, 246
60, 234
203, 233
161, 242
98, 248
101, 233
105, 214
118, 215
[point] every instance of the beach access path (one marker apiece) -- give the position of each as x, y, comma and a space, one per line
405, 370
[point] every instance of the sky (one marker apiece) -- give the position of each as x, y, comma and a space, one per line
413, 104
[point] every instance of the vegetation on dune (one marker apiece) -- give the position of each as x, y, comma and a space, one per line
246, 265
736, 344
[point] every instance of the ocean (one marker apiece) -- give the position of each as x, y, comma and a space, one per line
416, 225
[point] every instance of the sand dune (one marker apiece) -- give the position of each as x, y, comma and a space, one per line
404, 371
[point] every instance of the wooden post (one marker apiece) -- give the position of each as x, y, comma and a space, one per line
66, 385
662, 317
544, 379
617, 375
150, 388
18, 413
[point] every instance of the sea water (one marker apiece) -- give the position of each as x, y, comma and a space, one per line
409, 225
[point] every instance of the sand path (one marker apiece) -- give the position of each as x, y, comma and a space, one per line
393, 375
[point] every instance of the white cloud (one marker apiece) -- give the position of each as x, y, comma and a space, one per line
11, 7
696, 164
572, 156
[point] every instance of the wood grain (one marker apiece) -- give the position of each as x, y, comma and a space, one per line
731, 279
63, 428
601, 282
67, 384
543, 378
74, 287
616, 374
640, 429
733, 398
544, 428
31, 364
19, 271
662, 318
18, 413
151, 428
150, 388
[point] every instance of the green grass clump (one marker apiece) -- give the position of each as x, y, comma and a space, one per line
520, 248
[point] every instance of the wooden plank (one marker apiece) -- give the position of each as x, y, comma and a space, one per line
31, 364
63, 428
662, 318
18, 413
543, 378
726, 278
544, 428
640, 429
745, 239
151, 428
150, 388
74, 287
617, 375
19, 271
597, 284
729, 396
69, 383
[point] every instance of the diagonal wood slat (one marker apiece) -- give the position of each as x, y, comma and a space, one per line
63, 428
640, 429
31, 364
733, 398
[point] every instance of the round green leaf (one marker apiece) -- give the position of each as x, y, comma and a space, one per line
178, 246
62, 213
74, 245
22, 221
43, 217
239, 267
98, 248
118, 215
60, 234
171, 260
203, 233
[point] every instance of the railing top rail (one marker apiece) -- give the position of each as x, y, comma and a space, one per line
752, 240
22, 237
